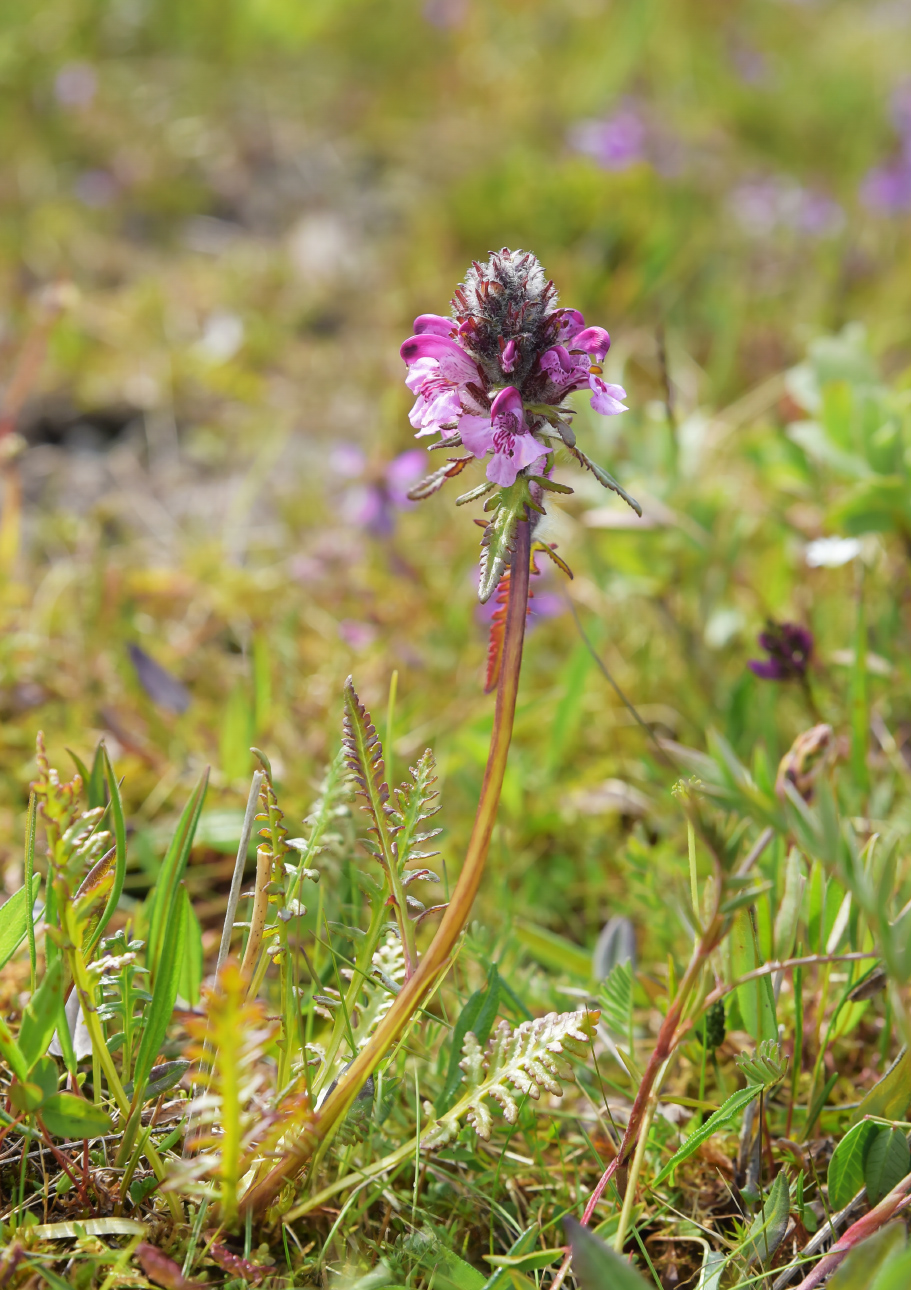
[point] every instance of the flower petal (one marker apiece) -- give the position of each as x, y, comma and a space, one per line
477, 434
594, 340
571, 323
607, 398
508, 402
432, 324
429, 345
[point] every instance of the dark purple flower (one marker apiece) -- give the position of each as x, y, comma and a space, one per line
790, 648
163, 689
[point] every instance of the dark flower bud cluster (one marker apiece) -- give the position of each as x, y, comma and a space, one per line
790, 649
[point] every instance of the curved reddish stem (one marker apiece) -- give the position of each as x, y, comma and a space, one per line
438, 954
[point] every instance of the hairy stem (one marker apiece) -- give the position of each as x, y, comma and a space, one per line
439, 952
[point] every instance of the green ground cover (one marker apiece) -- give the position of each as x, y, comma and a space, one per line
216, 226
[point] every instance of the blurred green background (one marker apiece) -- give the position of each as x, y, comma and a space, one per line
217, 222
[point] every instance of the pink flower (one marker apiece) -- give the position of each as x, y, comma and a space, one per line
505, 433
438, 371
573, 370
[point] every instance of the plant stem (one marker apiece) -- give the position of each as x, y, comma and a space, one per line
439, 953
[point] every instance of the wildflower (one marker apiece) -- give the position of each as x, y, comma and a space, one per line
506, 433
615, 143
375, 494
492, 378
790, 648
505, 346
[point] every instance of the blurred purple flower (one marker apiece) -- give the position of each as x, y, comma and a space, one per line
75, 85
357, 634
765, 206
790, 648
96, 188
887, 189
371, 504
615, 143
446, 14
347, 460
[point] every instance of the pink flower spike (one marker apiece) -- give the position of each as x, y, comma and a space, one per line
432, 324
594, 340
508, 357
429, 345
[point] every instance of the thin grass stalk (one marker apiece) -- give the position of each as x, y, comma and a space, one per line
439, 953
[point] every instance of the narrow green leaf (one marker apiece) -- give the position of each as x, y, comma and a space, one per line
846, 1168
770, 1224
51, 1277
755, 998
12, 1053
890, 1097
595, 1265
525, 1262
120, 839
14, 918
67, 1116
39, 1020
860, 711
886, 1162
161, 1078
499, 540
788, 914
191, 967
172, 871
164, 993
554, 951
523, 1244
718, 1120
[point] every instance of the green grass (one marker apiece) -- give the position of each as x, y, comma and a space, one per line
321, 174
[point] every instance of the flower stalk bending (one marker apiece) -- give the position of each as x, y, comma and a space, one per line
438, 955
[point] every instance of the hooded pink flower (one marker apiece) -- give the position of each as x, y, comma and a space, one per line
505, 432
573, 370
438, 371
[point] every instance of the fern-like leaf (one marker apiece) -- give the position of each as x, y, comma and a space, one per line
234, 1122
364, 756
605, 478
433, 483
524, 1060
616, 997
499, 540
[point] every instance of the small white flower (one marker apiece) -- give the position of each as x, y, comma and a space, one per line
832, 552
